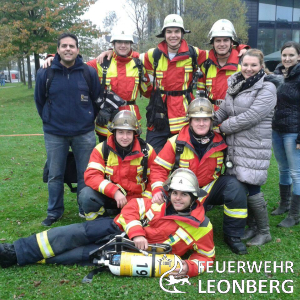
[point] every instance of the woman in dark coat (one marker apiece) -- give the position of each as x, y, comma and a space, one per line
286, 134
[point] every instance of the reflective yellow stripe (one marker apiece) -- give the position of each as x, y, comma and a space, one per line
184, 236
150, 214
219, 160
42, 262
176, 128
93, 215
240, 213
156, 184
109, 170
200, 85
207, 189
135, 89
123, 191
122, 222
156, 206
163, 163
172, 240
102, 130
147, 194
103, 185
96, 166
184, 164
177, 120
132, 224
188, 69
44, 245
142, 209
206, 253
208, 81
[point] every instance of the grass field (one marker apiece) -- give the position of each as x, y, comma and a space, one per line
23, 205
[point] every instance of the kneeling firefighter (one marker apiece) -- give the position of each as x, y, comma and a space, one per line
118, 169
198, 148
179, 222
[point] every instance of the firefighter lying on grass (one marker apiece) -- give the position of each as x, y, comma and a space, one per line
180, 222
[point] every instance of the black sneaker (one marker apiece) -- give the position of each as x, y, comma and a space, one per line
50, 220
235, 244
8, 256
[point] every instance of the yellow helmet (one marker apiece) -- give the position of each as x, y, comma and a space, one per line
200, 108
184, 180
125, 119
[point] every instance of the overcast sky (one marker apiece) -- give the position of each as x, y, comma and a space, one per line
98, 11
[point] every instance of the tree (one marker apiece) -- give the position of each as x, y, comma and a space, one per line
200, 15
33, 26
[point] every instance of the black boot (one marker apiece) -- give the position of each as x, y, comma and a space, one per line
293, 218
285, 199
259, 207
8, 256
235, 244
251, 231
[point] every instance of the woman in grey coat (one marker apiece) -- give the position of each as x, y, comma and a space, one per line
245, 117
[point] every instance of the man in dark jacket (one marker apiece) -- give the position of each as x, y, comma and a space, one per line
67, 109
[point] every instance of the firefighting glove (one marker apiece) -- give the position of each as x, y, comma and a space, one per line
109, 108
103, 117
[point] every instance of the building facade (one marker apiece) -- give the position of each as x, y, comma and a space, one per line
272, 23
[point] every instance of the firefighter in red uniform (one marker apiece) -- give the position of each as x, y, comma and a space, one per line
125, 77
179, 222
200, 149
223, 61
118, 169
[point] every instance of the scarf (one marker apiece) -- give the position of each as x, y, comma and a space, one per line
240, 84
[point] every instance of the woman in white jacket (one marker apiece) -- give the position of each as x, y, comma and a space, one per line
245, 117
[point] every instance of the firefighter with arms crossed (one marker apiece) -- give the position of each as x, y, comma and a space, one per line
200, 149
180, 222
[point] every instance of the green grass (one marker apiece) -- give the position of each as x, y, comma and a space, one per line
23, 205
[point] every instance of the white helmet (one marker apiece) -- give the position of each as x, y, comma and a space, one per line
121, 35
184, 180
223, 28
172, 20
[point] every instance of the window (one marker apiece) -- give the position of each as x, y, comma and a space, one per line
282, 36
265, 40
296, 14
284, 11
267, 10
296, 36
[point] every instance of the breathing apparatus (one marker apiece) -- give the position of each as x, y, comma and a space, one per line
122, 258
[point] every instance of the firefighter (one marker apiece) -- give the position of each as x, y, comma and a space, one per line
180, 222
118, 169
222, 62
124, 76
176, 70
200, 149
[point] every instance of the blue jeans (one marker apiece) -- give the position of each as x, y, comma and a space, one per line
57, 148
288, 159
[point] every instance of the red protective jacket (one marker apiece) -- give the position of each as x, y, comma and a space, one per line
174, 75
123, 79
182, 232
207, 170
214, 78
117, 174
